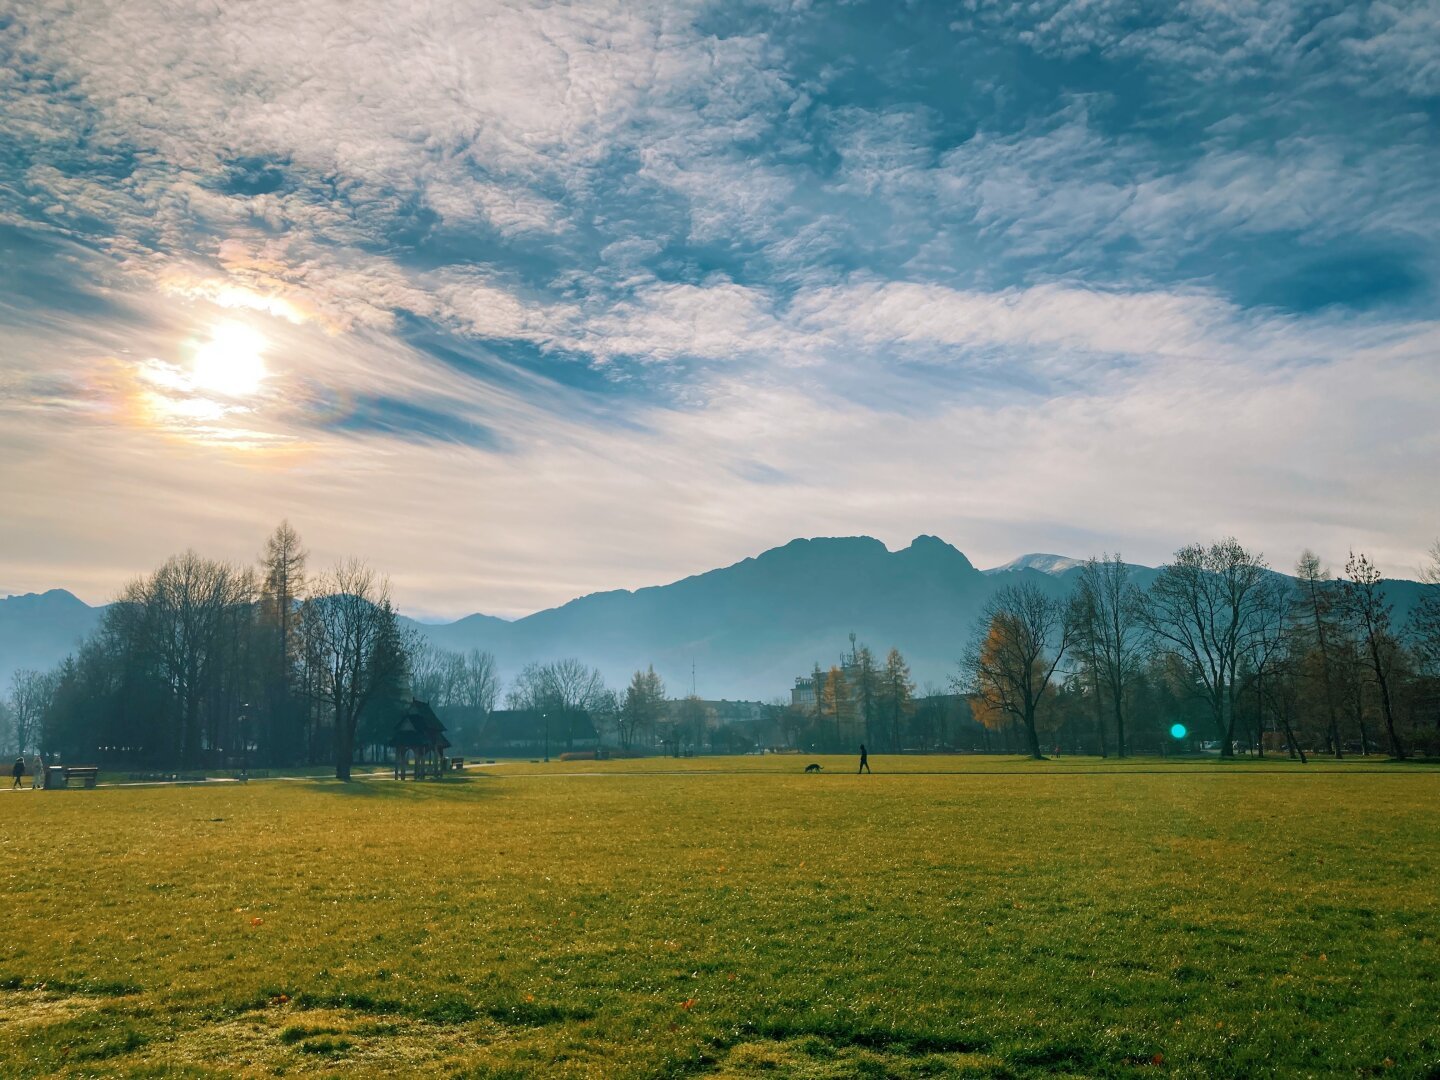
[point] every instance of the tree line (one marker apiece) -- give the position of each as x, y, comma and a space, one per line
1252, 658
211, 664
207, 664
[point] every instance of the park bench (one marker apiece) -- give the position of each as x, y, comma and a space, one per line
87, 773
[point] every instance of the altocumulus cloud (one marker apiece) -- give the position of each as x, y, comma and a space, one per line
595, 294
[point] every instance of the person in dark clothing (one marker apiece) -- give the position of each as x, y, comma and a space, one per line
864, 761
17, 772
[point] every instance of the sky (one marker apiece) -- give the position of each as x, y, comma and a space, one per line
521, 301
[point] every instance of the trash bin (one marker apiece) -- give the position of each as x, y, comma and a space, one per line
54, 777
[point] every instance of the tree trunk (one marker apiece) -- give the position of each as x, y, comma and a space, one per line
1227, 746
1260, 716
344, 747
1336, 745
1033, 736
1119, 728
1099, 712
1290, 737
1396, 750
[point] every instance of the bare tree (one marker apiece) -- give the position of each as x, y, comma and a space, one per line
1205, 608
478, 684
562, 691
465, 682
693, 718
1314, 613
436, 675
1425, 618
193, 609
1020, 639
1369, 613
30, 695
1107, 617
605, 714
1266, 655
351, 627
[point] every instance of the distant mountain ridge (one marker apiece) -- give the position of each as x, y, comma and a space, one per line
38, 630
749, 628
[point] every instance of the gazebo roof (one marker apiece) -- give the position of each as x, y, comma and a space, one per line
419, 727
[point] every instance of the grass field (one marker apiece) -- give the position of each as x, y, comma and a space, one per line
733, 917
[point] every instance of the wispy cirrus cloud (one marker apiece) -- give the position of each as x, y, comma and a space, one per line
759, 270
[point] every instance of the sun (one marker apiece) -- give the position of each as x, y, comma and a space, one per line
231, 362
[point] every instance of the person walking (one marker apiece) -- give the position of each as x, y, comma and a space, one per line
864, 761
17, 772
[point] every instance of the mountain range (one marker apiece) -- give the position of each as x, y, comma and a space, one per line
745, 630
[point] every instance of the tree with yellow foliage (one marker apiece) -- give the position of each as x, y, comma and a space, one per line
1020, 639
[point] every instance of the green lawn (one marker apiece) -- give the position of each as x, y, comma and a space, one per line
733, 917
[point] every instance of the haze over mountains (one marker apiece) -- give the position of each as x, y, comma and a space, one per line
748, 629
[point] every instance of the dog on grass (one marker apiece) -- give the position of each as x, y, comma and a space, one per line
813, 767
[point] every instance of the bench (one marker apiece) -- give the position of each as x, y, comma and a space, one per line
87, 773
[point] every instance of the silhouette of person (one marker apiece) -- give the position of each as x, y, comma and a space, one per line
17, 772
864, 761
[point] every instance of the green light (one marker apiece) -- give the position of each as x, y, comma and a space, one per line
1177, 731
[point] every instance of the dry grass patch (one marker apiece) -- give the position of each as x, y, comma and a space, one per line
733, 917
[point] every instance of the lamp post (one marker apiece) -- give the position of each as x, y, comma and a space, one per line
545, 716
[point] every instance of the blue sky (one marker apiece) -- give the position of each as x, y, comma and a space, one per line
522, 301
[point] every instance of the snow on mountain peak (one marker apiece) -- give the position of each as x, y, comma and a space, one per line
1046, 564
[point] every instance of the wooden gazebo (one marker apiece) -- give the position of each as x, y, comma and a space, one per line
419, 736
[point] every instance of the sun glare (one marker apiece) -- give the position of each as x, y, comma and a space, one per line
231, 362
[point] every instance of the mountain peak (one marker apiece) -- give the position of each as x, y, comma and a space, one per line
931, 549
51, 598
1046, 564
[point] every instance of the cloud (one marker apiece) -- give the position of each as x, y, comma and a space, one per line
1374, 47
687, 279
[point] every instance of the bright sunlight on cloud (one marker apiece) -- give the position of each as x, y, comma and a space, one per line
686, 280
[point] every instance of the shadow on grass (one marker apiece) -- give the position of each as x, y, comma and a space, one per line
428, 1007
91, 987
889, 1039
386, 788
